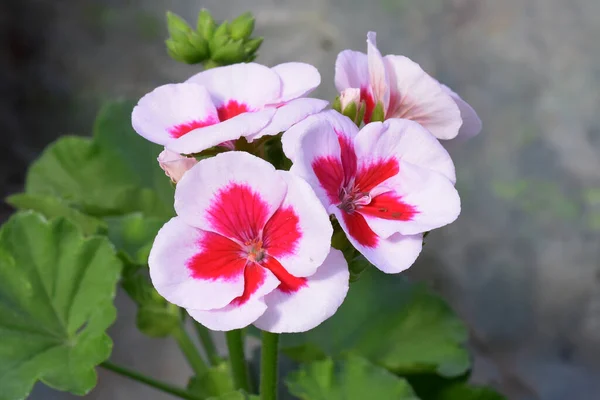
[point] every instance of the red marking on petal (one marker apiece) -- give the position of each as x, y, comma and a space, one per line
348, 156
367, 97
254, 277
330, 173
219, 258
359, 229
231, 109
238, 212
179, 130
375, 172
282, 232
289, 283
389, 206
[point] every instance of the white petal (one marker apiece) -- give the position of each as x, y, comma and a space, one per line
417, 96
351, 70
471, 122
176, 244
167, 112
378, 79
309, 306
297, 79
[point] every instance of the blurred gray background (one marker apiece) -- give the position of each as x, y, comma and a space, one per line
521, 264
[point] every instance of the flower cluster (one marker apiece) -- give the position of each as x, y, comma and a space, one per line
251, 244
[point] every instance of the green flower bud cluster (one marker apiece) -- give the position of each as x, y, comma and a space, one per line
354, 111
212, 44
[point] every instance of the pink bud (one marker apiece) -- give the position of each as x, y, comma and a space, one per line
349, 96
174, 164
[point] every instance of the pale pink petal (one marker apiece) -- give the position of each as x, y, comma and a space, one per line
177, 275
292, 138
174, 164
297, 79
427, 199
290, 114
351, 70
392, 255
349, 96
299, 234
417, 96
232, 193
404, 140
471, 122
243, 125
318, 159
378, 79
310, 304
171, 111
240, 314
251, 84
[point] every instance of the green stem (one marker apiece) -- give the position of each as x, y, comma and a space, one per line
190, 351
235, 345
136, 376
268, 368
208, 343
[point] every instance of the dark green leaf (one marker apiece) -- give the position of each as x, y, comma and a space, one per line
53, 207
56, 293
134, 234
352, 378
463, 391
304, 353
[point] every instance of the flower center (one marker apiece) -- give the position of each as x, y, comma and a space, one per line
352, 198
254, 250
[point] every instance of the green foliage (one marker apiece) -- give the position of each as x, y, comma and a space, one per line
217, 380
351, 378
395, 324
56, 293
133, 234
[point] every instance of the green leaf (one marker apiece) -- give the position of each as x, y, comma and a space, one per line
396, 324
56, 294
53, 207
217, 380
133, 234
352, 378
465, 392
238, 395
304, 353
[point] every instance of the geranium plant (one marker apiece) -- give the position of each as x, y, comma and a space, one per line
233, 202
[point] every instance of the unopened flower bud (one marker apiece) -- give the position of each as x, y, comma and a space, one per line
174, 164
242, 26
176, 24
206, 24
230, 53
378, 113
349, 96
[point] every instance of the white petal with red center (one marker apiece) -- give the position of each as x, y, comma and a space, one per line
390, 255
306, 306
244, 310
318, 161
417, 96
378, 79
351, 70
471, 122
414, 201
195, 269
232, 193
171, 111
297, 79
299, 234
252, 85
289, 114
292, 138
246, 124
404, 140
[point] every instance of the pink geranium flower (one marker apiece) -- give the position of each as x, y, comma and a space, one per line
386, 184
405, 91
249, 245
220, 105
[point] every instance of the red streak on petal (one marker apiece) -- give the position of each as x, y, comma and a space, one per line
282, 233
360, 230
220, 258
369, 103
389, 206
375, 172
330, 173
231, 109
179, 130
348, 156
289, 283
254, 277
238, 212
